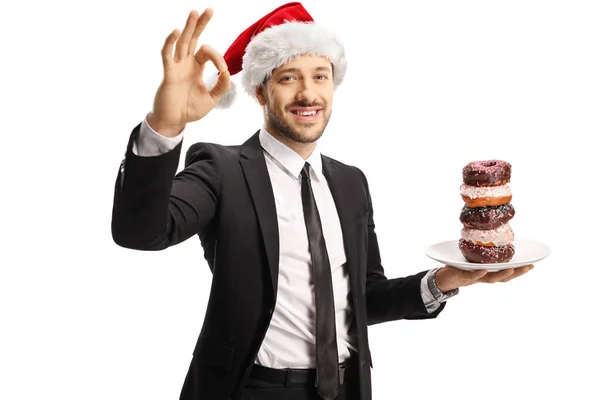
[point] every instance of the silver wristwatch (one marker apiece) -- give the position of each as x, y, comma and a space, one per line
435, 290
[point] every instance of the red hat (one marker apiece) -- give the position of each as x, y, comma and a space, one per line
277, 38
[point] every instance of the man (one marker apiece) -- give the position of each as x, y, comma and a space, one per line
287, 232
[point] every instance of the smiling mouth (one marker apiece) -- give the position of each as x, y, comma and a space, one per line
310, 114
305, 113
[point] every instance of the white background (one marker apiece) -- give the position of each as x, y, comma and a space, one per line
431, 85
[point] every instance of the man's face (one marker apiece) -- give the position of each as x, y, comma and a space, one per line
297, 98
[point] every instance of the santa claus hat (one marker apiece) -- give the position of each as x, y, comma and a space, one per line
277, 38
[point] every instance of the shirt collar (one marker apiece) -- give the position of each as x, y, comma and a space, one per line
291, 161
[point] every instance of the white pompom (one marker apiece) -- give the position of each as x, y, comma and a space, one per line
229, 97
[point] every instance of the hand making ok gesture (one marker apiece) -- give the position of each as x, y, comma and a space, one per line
182, 96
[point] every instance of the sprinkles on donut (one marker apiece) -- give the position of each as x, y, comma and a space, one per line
486, 183
486, 236
487, 173
486, 217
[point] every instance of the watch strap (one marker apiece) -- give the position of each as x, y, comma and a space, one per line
435, 290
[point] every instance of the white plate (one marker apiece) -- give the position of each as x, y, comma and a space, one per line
527, 251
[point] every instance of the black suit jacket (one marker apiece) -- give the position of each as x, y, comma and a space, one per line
224, 196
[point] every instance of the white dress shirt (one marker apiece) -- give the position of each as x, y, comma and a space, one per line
290, 338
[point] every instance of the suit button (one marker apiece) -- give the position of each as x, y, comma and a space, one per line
270, 311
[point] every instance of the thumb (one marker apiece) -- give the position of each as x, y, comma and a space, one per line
221, 87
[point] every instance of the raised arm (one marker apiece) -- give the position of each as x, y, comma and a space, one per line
154, 208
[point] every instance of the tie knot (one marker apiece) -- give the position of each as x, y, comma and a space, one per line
305, 171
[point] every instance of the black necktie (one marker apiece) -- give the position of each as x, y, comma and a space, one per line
327, 355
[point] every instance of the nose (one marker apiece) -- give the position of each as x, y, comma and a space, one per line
306, 91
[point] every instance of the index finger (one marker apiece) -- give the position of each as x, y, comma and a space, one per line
519, 272
527, 267
207, 53
497, 276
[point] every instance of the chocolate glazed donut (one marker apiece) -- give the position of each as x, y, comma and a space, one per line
486, 217
487, 173
486, 254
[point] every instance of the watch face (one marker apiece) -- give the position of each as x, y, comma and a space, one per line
451, 293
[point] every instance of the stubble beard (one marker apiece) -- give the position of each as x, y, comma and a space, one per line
285, 129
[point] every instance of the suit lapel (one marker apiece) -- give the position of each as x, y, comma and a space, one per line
341, 190
257, 176
256, 173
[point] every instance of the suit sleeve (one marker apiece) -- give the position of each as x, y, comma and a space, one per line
155, 208
390, 299
150, 143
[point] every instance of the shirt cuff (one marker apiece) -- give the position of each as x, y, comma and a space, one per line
431, 304
150, 143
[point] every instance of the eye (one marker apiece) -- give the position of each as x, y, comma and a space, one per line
287, 78
322, 77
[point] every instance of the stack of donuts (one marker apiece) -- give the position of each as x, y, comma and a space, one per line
486, 236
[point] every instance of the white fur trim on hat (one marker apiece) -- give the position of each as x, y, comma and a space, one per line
229, 97
280, 44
